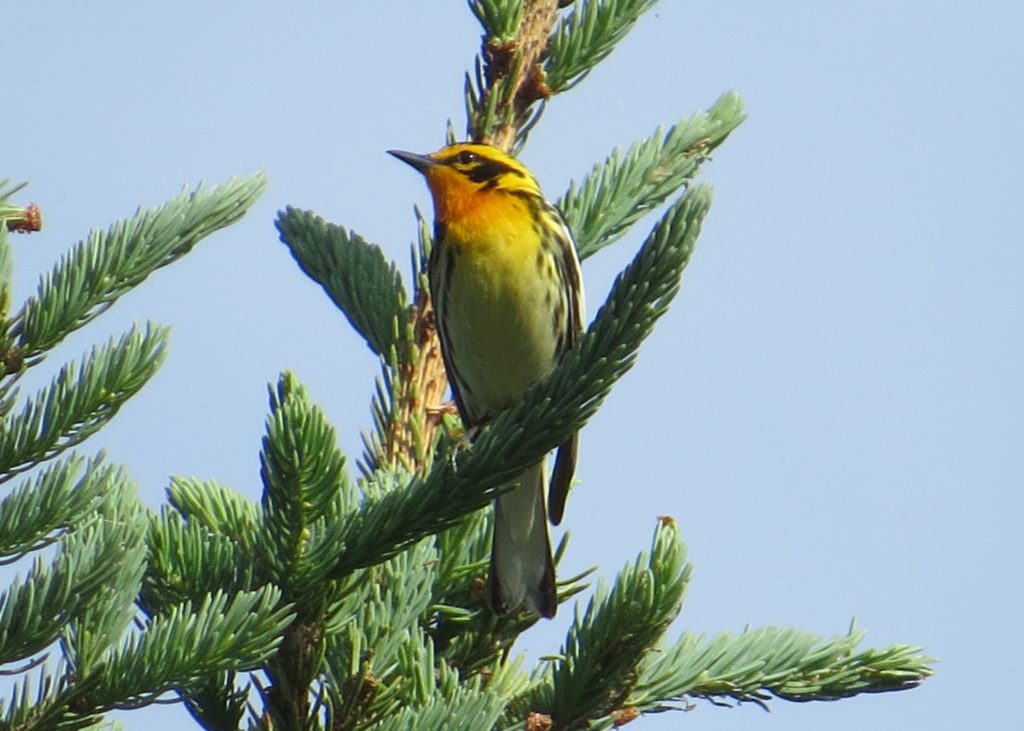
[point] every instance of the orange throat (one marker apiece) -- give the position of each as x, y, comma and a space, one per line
475, 213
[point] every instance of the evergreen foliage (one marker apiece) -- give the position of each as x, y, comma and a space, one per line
422, 610
585, 36
71, 629
345, 603
355, 275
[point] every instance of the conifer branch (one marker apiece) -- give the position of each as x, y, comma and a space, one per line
370, 658
34, 610
217, 508
526, 58
304, 482
188, 642
598, 664
509, 77
186, 561
21, 219
364, 285
369, 292
37, 512
774, 661
626, 187
100, 269
49, 706
7, 192
586, 36
499, 18
409, 411
106, 615
175, 650
468, 709
81, 399
85, 597
215, 703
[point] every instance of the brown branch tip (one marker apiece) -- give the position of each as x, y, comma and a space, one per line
30, 219
523, 53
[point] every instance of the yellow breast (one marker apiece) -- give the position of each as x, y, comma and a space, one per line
497, 310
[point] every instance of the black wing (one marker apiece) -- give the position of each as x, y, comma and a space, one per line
565, 461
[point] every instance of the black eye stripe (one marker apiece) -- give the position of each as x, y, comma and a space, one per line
485, 170
479, 167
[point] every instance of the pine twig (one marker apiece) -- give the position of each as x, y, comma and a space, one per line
514, 76
26, 220
369, 291
421, 386
23, 219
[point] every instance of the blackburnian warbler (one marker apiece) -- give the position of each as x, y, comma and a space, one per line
506, 286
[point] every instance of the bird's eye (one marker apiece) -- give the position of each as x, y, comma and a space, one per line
466, 157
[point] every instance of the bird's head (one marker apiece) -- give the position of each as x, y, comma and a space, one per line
464, 176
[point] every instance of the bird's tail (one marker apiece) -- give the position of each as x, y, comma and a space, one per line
522, 571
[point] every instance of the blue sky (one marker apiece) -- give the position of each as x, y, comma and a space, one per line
831, 410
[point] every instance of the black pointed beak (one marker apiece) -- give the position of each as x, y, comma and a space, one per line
423, 163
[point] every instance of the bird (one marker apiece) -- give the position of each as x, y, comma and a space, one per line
508, 295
